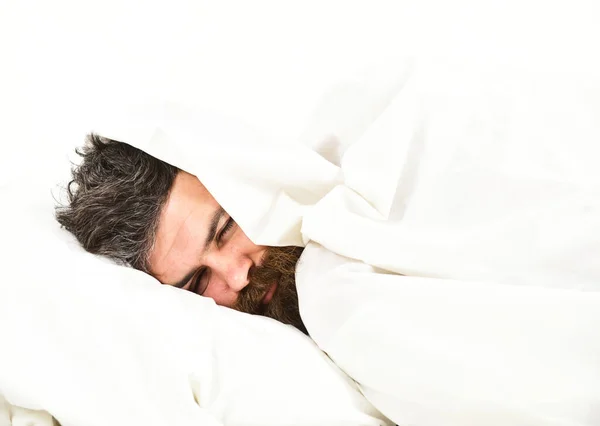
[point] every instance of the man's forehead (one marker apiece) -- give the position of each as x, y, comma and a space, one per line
182, 226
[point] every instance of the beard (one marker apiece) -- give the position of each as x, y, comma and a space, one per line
278, 266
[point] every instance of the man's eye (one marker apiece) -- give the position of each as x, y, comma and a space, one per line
228, 225
199, 282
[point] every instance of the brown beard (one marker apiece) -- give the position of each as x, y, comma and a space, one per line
278, 265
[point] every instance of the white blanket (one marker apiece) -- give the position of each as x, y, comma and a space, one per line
480, 185
453, 269
437, 351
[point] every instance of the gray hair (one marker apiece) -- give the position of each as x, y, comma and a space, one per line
114, 200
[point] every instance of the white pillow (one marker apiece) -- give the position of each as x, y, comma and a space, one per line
11, 415
95, 343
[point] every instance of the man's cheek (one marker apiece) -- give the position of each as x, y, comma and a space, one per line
221, 297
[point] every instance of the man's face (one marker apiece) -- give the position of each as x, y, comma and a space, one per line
200, 248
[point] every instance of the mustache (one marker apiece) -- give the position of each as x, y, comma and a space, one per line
278, 266
260, 281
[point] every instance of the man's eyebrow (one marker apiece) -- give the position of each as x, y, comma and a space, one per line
212, 232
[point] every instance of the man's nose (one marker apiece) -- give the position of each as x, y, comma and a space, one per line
233, 269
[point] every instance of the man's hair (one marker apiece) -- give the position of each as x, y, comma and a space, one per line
114, 200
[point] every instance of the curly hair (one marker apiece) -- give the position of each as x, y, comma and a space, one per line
114, 200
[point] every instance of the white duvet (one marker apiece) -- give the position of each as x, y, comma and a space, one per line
480, 186
452, 266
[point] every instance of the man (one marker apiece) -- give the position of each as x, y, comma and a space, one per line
140, 211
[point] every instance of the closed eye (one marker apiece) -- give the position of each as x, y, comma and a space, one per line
228, 225
199, 282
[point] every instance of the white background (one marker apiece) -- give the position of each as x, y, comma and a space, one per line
65, 62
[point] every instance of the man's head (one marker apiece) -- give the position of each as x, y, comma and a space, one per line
140, 211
